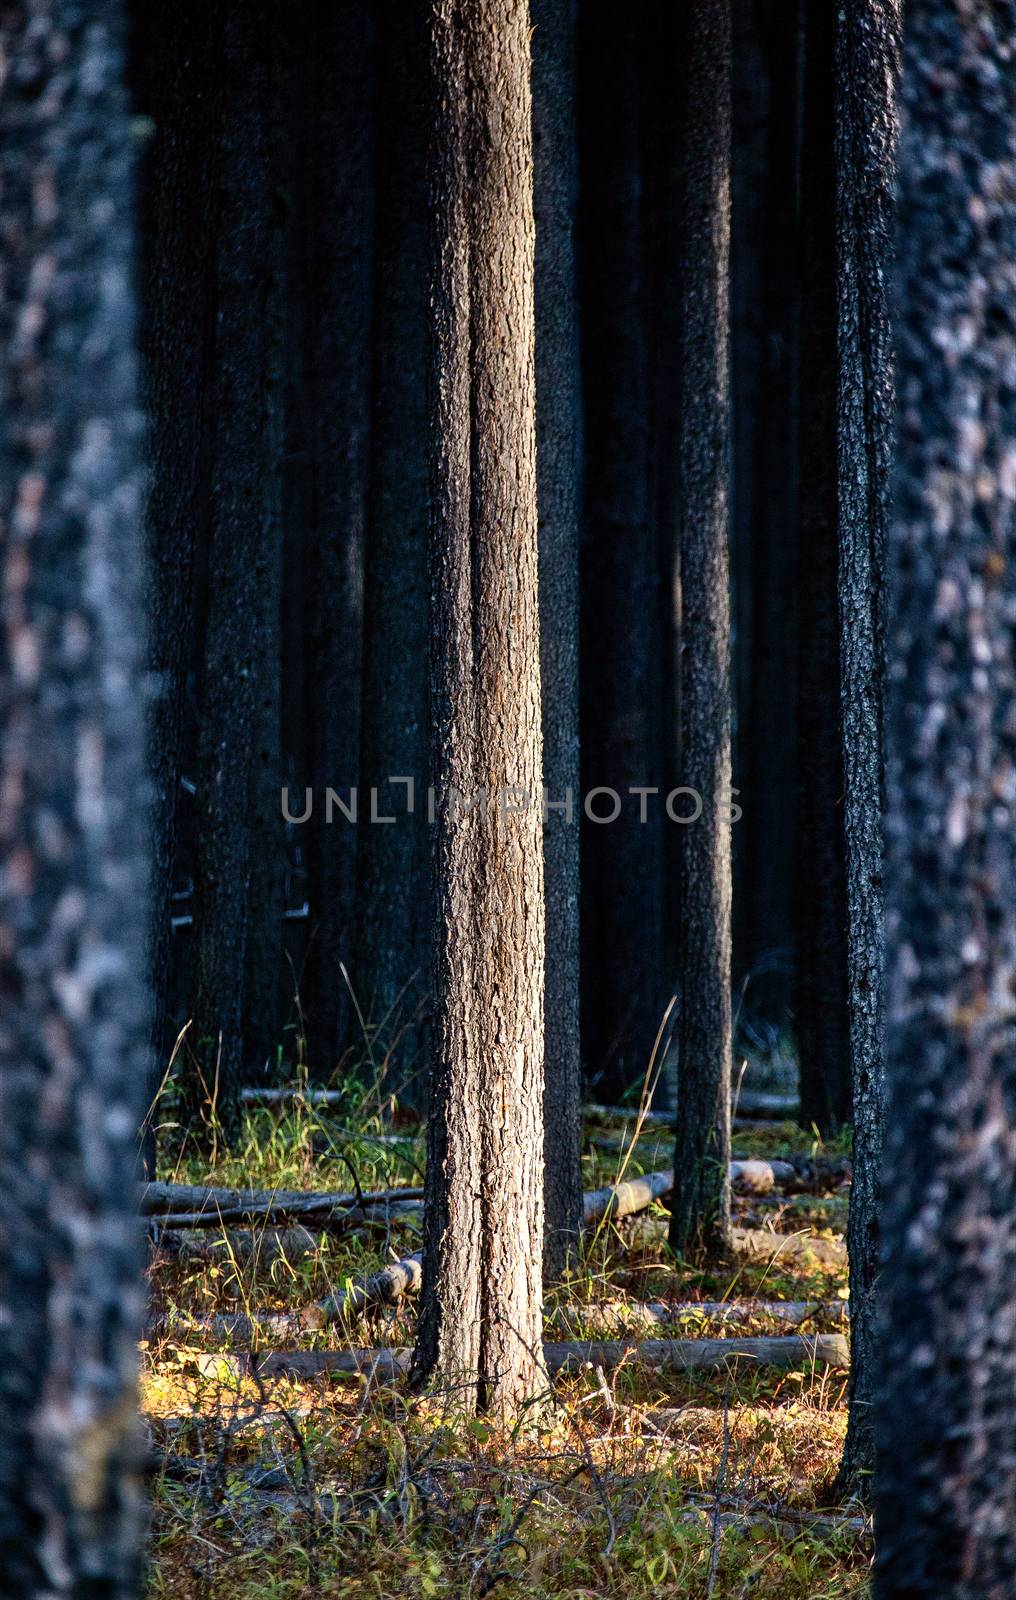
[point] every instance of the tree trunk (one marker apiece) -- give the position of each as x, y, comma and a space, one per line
558, 461
764, 492
242, 539
946, 1475
334, 221
263, 1006
170, 49
623, 986
823, 1029
392, 968
481, 1310
867, 64
75, 1041
700, 1219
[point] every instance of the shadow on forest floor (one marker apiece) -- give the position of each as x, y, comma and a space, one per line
637, 1481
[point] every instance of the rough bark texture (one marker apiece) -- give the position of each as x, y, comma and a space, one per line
242, 531
558, 469
623, 987
263, 961
333, 274
74, 1040
764, 491
866, 64
169, 46
823, 1031
946, 1477
700, 1218
392, 966
481, 1308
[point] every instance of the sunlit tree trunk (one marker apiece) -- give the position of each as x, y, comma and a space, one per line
75, 1033
481, 1313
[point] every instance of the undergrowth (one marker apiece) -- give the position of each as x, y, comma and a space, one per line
635, 1483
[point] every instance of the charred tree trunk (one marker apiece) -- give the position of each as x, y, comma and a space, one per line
764, 491
75, 1041
480, 1319
558, 460
336, 220
392, 967
170, 49
263, 1005
700, 1218
623, 985
823, 1024
946, 1473
242, 542
867, 64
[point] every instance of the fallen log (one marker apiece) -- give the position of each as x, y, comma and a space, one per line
624, 1315
384, 1288
750, 1102
211, 1205
668, 1355
326, 1218
260, 1246
798, 1250
625, 1199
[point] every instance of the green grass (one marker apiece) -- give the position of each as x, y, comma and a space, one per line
614, 1495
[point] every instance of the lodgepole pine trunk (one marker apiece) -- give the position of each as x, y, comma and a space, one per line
329, 435
700, 1218
75, 1037
558, 470
171, 46
392, 957
243, 531
945, 1516
866, 66
823, 1020
480, 1318
764, 488
623, 989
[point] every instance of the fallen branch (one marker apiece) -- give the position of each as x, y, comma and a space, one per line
667, 1355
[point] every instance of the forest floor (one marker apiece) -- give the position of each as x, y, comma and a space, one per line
638, 1482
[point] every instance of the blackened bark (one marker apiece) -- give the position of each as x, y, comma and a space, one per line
392, 959
823, 1028
336, 215
700, 1216
946, 1471
866, 63
243, 533
171, 49
558, 462
75, 1038
764, 487
264, 973
480, 1318
623, 987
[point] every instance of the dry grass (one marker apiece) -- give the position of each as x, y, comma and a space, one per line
635, 1484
